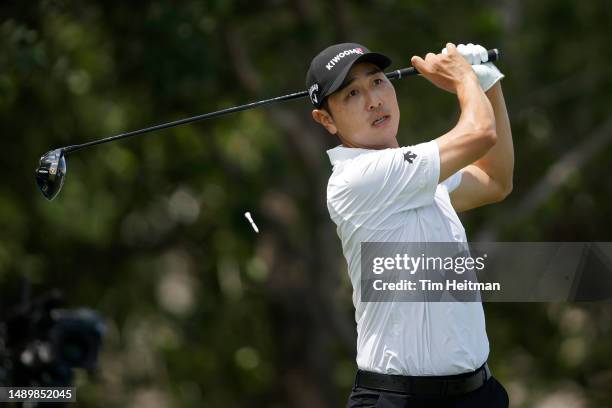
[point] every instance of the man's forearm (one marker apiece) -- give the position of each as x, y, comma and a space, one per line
476, 112
498, 162
474, 133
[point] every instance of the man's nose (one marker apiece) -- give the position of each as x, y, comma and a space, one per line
374, 101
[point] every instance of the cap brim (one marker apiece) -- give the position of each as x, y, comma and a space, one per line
380, 60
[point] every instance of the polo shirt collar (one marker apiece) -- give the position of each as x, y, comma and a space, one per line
340, 153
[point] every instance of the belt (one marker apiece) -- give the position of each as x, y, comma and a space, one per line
448, 385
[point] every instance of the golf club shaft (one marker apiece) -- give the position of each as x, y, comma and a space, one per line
397, 74
295, 95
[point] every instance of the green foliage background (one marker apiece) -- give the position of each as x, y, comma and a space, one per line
150, 232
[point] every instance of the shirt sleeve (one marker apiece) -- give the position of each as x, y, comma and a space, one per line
453, 181
400, 179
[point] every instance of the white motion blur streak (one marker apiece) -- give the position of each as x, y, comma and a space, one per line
248, 217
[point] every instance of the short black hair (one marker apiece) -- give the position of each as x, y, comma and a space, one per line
325, 107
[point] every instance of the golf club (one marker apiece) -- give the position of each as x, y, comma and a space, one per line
51, 170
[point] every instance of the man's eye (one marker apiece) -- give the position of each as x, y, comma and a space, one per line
352, 92
378, 81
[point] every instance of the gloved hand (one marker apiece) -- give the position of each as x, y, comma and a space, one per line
476, 55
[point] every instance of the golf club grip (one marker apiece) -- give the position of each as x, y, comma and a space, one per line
411, 71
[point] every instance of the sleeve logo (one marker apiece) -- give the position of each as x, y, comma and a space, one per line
409, 156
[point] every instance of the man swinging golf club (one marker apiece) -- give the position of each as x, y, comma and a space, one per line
413, 354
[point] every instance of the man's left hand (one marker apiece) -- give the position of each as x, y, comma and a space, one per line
477, 56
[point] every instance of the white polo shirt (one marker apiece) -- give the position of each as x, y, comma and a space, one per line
393, 195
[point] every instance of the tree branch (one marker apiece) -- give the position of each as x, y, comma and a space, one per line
556, 176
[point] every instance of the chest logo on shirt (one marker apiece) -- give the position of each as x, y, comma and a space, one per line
409, 156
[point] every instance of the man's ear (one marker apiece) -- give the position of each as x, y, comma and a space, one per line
324, 118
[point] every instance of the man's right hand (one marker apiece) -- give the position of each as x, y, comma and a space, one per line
446, 71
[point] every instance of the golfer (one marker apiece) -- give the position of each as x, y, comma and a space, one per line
413, 354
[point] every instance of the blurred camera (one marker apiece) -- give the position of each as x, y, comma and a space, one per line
41, 343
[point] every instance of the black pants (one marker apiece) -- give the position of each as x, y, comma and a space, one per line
491, 395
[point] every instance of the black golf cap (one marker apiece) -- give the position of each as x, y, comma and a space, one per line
330, 67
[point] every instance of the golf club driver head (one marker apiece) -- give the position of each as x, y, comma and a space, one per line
50, 173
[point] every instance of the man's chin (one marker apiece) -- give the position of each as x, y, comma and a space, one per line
387, 143
374, 140
386, 135
387, 140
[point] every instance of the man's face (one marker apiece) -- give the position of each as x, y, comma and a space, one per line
364, 112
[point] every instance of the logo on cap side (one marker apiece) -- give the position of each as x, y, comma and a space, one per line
341, 55
312, 92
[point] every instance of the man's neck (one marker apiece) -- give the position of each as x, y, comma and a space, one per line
346, 143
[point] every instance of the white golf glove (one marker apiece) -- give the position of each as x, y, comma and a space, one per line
476, 55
